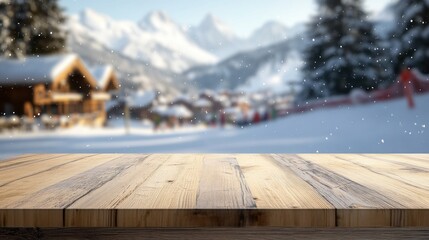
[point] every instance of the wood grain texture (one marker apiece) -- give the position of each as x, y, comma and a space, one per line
222, 185
277, 188
221, 190
20, 170
14, 191
404, 197
210, 233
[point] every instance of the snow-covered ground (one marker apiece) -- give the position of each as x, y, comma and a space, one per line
387, 127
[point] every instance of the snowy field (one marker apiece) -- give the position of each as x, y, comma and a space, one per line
378, 128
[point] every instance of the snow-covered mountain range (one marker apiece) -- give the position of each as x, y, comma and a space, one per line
215, 36
133, 74
156, 52
156, 39
166, 45
273, 67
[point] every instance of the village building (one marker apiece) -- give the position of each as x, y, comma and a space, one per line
108, 87
107, 81
140, 105
184, 100
58, 88
173, 115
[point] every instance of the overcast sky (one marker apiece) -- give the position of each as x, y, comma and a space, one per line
242, 16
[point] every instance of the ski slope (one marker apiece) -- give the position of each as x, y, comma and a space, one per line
387, 127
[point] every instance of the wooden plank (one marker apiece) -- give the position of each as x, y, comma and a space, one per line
348, 196
26, 159
213, 189
17, 159
40, 165
17, 190
420, 156
408, 196
173, 185
403, 171
413, 162
99, 207
213, 233
187, 218
222, 185
339, 190
31, 218
65, 193
274, 187
59, 196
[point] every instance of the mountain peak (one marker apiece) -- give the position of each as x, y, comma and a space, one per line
268, 33
273, 25
156, 21
94, 19
213, 23
211, 19
158, 16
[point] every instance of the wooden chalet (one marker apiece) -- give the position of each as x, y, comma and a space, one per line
56, 86
107, 81
107, 86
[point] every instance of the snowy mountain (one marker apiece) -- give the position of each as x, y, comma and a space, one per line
156, 39
217, 38
133, 74
166, 45
270, 67
155, 51
214, 36
269, 33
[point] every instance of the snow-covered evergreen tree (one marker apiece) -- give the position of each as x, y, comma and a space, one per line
412, 32
20, 26
34, 27
343, 52
48, 35
5, 17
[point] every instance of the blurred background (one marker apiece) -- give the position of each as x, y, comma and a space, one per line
273, 76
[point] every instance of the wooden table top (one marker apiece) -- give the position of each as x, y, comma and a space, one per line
221, 190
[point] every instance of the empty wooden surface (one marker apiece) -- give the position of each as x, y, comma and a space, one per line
220, 190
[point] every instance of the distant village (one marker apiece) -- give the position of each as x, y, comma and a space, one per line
61, 91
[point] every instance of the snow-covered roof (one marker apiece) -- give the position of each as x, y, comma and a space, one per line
33, 70
183, 98
163, 99
141, 99
232, 110
102, 74
179, 111
202, 103
242, 100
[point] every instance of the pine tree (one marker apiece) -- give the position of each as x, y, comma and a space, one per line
343, 52
5, 17
413, 34
20, 27
34, 27
48, 35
